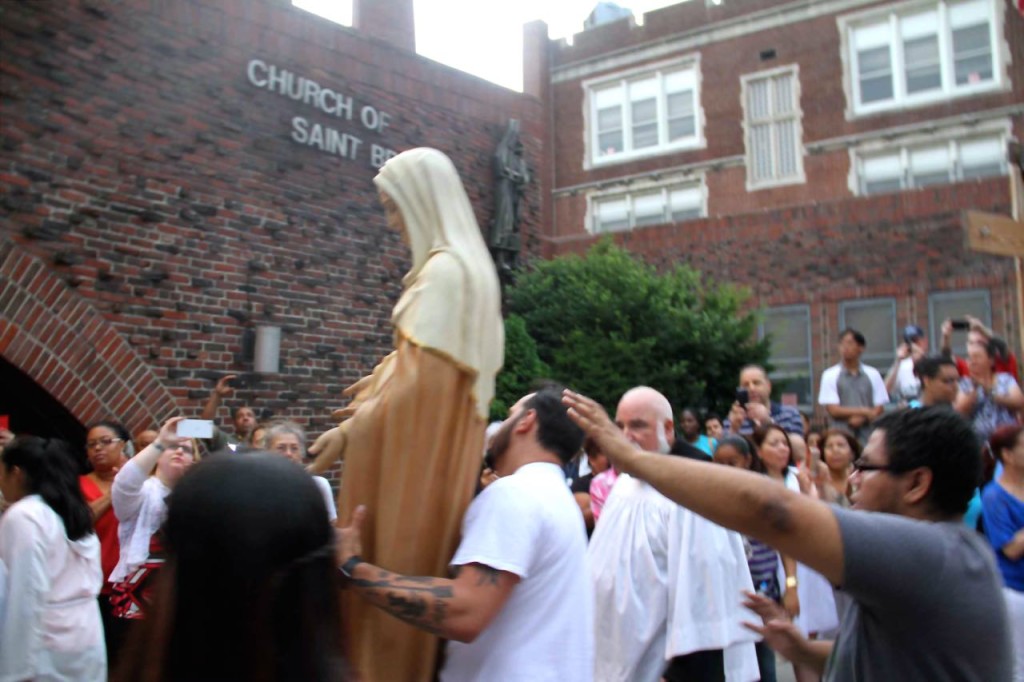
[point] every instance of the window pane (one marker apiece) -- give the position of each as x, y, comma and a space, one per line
930, 166
612, 214
761, 151
881, 173
681, 119
875, 74
685, 203
786, 137
876, 320
972, 55
609, 130
757, 99
645, 123
648, 209
982, 158
955, 305
609, 143
921, 59
881, 186
789, 329
782, 101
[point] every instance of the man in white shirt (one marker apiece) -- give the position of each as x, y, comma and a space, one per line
665, 580
851, 392
516, 608
901, 382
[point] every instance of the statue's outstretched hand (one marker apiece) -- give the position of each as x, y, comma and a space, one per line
328, 449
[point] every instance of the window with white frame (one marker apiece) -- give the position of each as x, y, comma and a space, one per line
956, 305
649, 206
937, 163
922, 53
772, 124
876, 319
789, 328
643, 114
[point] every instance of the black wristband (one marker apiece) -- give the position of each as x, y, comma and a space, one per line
350, 565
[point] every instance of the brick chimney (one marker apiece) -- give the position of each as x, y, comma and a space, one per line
389, 20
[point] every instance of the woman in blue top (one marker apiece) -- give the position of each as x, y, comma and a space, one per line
1002, 506
689, 424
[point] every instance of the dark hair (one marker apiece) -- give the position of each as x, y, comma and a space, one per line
857, 336
754, 365
117, 427
556, 432
940, 439
928, 366
855, 447
761, 433
51, 472
249, 590
1004, 438
745, 448
712, 415
239, 408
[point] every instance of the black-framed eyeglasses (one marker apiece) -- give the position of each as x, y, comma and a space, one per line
102, 442
862, 466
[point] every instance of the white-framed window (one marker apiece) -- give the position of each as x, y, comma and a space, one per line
642, 113
875, 318
651, 205
773, 133
914, 165
789, 328
921, 53
955, 305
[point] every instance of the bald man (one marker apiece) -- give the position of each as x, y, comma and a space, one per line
667, 582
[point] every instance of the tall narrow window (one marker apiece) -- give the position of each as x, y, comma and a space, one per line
772, 124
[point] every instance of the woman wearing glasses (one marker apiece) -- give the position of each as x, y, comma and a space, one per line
106, 447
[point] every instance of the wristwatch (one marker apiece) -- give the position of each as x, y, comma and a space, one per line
790, 582
350, 565
160, 447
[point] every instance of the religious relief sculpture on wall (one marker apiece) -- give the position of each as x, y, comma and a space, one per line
512, 177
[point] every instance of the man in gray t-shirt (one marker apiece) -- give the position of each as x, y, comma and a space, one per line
920, 595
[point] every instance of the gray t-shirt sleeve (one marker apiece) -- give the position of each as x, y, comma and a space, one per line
888, 560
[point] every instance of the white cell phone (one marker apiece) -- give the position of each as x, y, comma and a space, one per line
195, 428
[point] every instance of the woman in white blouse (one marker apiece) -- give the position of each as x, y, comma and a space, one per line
50, 571
139, 497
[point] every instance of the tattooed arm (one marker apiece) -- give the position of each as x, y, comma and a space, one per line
458, 609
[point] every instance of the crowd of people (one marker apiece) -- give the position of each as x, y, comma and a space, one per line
593, 550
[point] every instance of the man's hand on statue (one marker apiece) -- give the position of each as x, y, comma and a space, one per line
350, 542
591, 417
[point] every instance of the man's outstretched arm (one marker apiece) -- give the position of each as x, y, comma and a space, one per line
459, 608
749, 503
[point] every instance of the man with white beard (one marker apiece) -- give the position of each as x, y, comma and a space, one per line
667, 581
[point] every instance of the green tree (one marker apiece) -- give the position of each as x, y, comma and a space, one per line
522, 367
607, 322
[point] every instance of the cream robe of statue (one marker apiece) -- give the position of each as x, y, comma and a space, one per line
413, 443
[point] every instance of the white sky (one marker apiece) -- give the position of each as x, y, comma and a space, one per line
485, 37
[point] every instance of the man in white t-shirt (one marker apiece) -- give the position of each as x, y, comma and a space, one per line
901, 382
851, 392
516, 608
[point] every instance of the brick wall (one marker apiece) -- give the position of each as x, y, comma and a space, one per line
144, 174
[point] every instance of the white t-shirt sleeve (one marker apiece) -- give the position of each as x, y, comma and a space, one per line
325, 490
881, 396
828, 394
500, 530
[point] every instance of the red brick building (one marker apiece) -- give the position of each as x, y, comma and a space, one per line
175, 174
819, 152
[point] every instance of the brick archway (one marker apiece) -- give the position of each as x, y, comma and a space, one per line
65, 346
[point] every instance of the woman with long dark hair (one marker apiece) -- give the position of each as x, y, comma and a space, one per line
50, 571
249, 588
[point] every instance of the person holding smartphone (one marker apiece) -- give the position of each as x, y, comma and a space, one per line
900, 381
